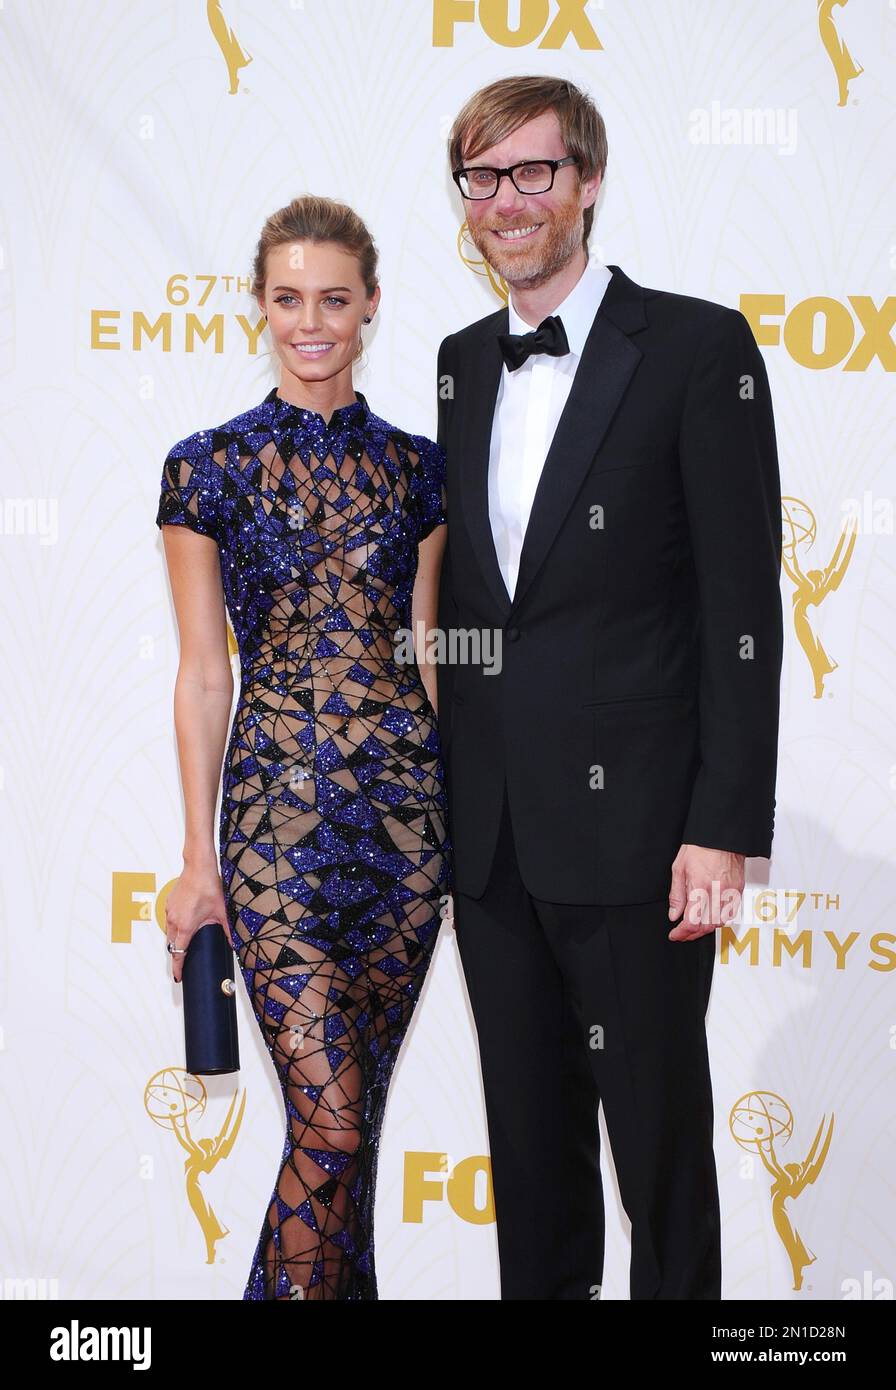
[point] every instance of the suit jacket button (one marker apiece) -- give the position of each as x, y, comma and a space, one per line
512, 634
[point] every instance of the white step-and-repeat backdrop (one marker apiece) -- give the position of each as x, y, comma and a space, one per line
751, 162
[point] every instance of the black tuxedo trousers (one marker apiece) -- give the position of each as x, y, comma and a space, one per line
575, 1006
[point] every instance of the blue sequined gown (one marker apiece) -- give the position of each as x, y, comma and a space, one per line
334, 849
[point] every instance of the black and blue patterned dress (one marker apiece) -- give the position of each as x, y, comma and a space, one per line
334, 847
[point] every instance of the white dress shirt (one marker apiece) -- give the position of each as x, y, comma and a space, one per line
530, 402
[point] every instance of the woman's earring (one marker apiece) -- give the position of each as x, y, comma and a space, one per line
367, 318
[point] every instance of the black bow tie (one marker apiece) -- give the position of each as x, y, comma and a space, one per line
549, 336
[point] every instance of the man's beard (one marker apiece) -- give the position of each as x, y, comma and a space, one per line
561, 237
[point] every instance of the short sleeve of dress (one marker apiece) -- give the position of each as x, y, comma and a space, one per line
189, 489
429, 480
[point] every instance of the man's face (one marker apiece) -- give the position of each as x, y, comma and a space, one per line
549, 224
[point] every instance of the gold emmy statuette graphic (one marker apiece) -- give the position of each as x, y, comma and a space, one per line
229, 44
845, 66
811, 587
756, 1121
471, 257
170, 1098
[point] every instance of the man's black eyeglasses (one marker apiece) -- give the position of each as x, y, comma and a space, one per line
533, 176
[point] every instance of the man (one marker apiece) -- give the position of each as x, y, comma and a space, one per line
614, 519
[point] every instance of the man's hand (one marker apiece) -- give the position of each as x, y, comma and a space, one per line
706, 890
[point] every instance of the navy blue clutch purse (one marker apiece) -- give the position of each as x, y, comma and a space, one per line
210, 1033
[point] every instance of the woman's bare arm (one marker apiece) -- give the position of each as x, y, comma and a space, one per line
425, 604
203, 694
424, 609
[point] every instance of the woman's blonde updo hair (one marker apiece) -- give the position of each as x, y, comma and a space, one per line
312, 218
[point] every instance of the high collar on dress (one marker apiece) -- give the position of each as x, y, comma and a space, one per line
289, 416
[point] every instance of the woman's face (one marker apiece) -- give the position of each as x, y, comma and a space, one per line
314, 302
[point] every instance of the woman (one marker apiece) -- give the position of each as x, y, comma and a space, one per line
321, 527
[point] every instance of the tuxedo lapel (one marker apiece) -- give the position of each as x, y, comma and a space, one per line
609, 359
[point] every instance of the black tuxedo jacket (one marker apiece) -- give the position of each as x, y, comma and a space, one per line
636, 704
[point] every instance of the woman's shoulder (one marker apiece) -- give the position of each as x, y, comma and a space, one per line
427, 448
419, 444
195, 446
209, 444
190, 485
